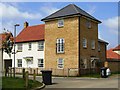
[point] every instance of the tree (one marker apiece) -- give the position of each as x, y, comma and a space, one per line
7, 43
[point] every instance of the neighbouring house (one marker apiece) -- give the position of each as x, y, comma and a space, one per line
113, 59
3, 37
29, 50
72, 46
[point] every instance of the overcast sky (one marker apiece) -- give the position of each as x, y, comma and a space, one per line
33, 12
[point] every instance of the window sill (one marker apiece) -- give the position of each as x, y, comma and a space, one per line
60, 52
60, 68
85, 47
60, 26
40, 50
19, 50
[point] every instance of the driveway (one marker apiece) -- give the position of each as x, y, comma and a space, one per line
77, 82
81, 82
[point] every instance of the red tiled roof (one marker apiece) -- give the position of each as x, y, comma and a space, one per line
117, 48
31, 33
112, 55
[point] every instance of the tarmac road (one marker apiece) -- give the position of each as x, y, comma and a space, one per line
77, 82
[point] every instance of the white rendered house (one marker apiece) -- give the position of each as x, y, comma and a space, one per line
29, 48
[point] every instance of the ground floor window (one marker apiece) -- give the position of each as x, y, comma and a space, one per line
19, 62
83, 63
60, 63
40, 63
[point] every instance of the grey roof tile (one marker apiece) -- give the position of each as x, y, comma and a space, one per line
69, 10
102, 41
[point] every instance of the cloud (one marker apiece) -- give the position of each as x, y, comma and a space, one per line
47, 10
9, 11
111, 24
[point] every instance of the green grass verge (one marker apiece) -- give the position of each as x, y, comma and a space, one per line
18, 84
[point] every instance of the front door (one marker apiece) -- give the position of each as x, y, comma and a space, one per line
7, 63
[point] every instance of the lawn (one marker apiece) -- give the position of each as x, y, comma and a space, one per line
18, 84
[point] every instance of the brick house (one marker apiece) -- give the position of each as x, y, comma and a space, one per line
113, 59
71, 42
70, 38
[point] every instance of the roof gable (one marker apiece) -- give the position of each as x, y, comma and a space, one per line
116, 48
69, 10
31, 33
112, 55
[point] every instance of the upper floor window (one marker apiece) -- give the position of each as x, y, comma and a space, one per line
19, 62
88, 24
60, 45
93, 44
30, 46
60, 63
98, 46
41, 45
84, 43
19, 47
60, 23
40, 63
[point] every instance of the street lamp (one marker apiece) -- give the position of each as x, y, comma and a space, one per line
14, 44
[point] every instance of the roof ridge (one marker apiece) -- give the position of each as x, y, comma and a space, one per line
74, 6
36, 25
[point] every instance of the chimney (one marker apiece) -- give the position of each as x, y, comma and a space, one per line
26, 24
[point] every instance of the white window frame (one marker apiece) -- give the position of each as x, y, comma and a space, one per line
60, 65
93, 44
41, 46
84, 43
40, 63
19, 63
60, 23
60, 45
29, 46
19, 46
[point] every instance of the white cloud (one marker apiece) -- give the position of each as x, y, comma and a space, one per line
47, 10
10, 11
8, 26
111, 24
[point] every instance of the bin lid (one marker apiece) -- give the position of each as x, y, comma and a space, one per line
46, 70
104, 68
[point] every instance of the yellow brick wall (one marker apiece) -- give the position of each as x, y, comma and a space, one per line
70, 34
89, 34
102, 53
